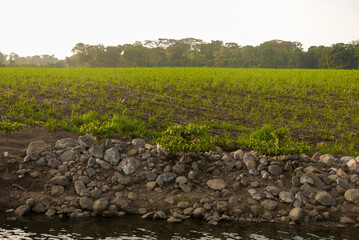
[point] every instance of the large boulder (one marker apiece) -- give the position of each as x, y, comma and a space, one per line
112, 155
65, 142
87, 140
325, 199
36, 147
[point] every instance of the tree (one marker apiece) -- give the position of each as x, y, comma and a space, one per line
342, 56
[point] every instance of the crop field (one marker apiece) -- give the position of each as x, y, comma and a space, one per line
317, 106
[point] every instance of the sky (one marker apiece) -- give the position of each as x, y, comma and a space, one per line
36, 27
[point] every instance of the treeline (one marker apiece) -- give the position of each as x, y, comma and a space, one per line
191, 52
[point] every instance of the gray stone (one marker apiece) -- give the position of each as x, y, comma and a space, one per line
51, 212
41, 162
273, 190
39, 208
178, 168
151, 176
100, 205
185, 187
181, 179
183, 204
96, 151
129, 165
60, 180
296, 215
238, 165
352, 195
327, 159
67, 156
199, 212
53, 163
275, 170
191, 175
287, 197
22, 210
86, 203
249, 161
222, 206
138, 142
112, 155
86, 140
65, 142
238, 155
103, 164
96, 193
36, 147
269, 204
216, 184
353, 166
91, 161
305, 179
165, 177
346, 159
79, 186
325, 199
343, 183
57, 190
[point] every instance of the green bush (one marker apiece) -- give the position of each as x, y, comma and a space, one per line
6, 126
97, 128
186, 138
270, 140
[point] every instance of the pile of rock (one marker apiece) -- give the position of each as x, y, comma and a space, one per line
115, 178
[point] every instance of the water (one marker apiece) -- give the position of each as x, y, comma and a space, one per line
41, 227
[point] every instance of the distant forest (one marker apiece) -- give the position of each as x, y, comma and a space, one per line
191, 52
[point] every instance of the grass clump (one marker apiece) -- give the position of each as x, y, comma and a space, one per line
272, 140
6, 126
186, 138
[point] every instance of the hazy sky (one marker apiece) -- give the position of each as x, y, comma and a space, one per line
32, 27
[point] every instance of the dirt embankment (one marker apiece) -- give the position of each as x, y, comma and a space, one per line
65, 174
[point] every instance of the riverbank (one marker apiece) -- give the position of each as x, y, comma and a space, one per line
75, 176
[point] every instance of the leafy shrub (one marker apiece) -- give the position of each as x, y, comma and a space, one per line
270, 140
97, 128
186, 138
6, 126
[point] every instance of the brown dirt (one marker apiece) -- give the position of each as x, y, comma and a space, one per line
13, 190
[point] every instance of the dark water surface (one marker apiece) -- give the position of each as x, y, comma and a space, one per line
41, 227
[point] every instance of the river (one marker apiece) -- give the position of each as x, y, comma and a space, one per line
133, 227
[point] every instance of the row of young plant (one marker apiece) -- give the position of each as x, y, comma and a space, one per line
316, 105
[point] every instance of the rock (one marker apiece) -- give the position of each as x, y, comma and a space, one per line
151, 185
22, 210
347, 220
31, 202
165, 177
191, 175
181, 179
103, 164
249, 161
216, 184
36, 147
238, 155
269, 204
327, 159
185, 187
112, 155
151, 176
352, 195
305, 179
86, 203
79, 186
273, 190
39, 208
317, 183
96, 151
275, 170
343, 183
100, 205
67, 156
222, 206
86, 140
51, 212
287, 197
60, 180
173, 220
178, 168
183, 204
325, 199
57, 190
199, 212
129, 165
353, 166
296, 215
138, 142
65, 143
257, 210
53, 163
346, 159
341, 173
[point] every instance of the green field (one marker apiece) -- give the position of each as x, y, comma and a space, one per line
317, 106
